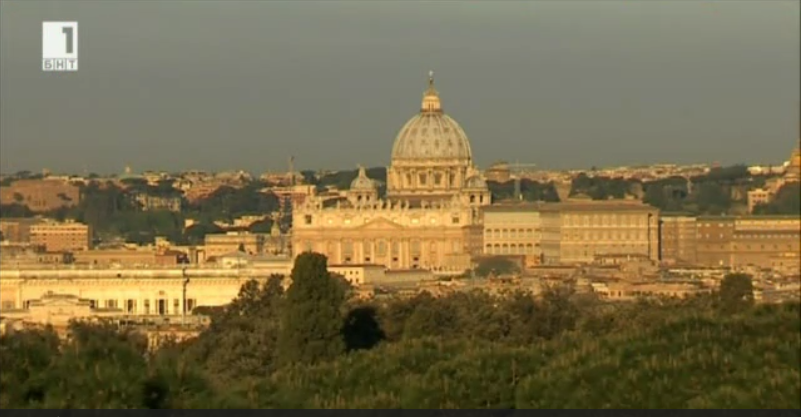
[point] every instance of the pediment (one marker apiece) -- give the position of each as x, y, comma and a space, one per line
60, 301
381, 223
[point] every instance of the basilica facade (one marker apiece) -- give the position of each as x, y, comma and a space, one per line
430, 217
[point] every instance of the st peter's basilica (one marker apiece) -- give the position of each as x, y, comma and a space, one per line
430, 217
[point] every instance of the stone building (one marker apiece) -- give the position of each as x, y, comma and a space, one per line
51, 235
513, 229
274, 243
759, 241
430, 217
677, 240
579, 230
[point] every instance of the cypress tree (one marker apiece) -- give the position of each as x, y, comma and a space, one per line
311, 321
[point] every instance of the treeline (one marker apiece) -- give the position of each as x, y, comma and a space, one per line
113, 211
309, 347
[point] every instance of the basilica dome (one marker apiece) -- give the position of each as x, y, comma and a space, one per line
431, 134
362, 182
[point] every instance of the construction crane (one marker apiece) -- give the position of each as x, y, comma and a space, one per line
515, 170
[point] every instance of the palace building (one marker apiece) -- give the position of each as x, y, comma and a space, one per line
430, 217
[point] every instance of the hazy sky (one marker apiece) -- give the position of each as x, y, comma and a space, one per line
222, 85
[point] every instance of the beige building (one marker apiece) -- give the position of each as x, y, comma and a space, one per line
274, 243
61, 237
513, 229
168, 291
153, 202
772, 242
431, 216
50, 235
757, 197
127, 257
17, 230
579, 230
677, 240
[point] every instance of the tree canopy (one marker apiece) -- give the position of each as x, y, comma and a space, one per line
304, 348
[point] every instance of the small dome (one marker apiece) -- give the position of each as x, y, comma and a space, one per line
476, 182
362, 182
431, 134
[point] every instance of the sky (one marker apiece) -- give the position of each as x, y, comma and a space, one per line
220, 85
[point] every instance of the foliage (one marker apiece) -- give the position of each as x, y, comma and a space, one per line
241, 341
787, 201
270, 349
227, 203
736, 292
529, 190
497, 265
311, 321
15, 210
600, 188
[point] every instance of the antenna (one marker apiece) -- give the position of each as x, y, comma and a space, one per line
292, 170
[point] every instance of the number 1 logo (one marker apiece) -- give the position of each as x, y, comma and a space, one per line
59, 46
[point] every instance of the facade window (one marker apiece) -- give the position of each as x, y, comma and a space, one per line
307, 219
437, 179
422, 178
130, 306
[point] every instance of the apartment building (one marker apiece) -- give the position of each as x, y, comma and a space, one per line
579, 230
61, 237
677, 240
513, 229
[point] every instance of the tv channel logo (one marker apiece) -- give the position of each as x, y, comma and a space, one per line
59, 46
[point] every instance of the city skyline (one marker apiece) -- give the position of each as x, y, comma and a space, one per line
569, 85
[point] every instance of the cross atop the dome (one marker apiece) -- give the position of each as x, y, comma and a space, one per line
431, 77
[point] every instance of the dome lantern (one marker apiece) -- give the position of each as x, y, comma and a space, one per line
431, 101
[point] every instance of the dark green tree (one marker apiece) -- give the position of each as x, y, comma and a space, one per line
311, 319
241, 341
736, 292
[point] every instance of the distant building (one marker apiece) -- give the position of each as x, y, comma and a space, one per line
757, 241
273, 243
579, 230
757, 197
154, 202
61, 237
677, 240
430, 218
513, 229
51, 235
